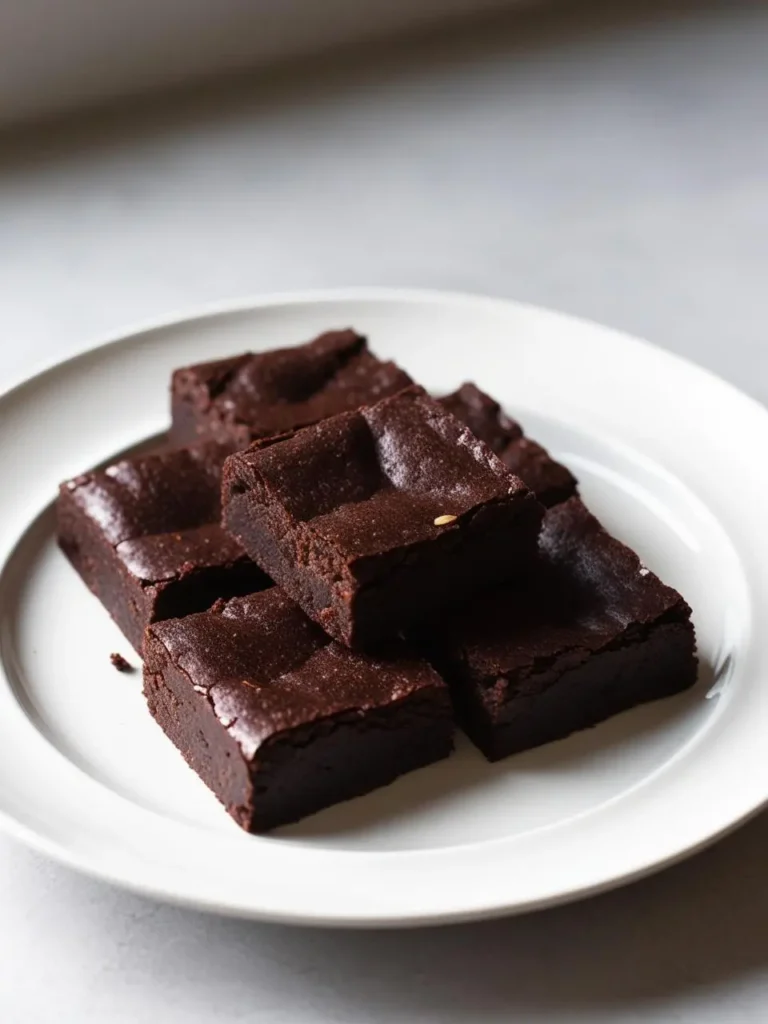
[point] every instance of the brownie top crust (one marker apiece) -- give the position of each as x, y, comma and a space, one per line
261, 394
587, 592
550, 481
376, 480
483, 415
160, 511
266, 668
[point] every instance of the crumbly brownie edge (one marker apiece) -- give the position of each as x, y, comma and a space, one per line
285, 550
95, 561
186, 428
193, 415
198, 589
551, 481
577, 689
188, 720
307, 769
348, 755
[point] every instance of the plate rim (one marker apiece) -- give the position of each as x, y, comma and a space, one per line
384, 294
376, 293
149, 890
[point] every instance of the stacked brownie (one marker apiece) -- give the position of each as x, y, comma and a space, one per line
376, 520
331, 567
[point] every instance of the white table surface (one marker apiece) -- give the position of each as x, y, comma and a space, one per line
616, 171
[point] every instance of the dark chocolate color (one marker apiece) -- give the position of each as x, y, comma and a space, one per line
144, 534
594, 632
119, 662
280, 721
342, 516
240, 399
549, 480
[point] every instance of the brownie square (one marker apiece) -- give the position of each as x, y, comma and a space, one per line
240, 399
377, 519
145, 536
280, 721
549, 480
593, 633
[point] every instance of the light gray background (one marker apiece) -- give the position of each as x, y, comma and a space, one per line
612, 165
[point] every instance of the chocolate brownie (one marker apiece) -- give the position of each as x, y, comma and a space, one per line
145, 535
240, 399
280, 721
549, 480
375, 519
592, 634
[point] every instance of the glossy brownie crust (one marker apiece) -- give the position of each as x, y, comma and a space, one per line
377, 519
144, 534
595, 633
278, 720
549, 480
240, 399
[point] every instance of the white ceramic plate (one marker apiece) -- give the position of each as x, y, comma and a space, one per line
671, 458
